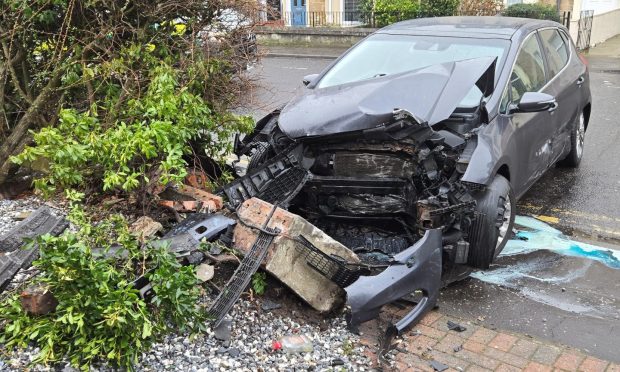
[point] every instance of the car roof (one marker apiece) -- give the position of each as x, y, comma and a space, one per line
478, 27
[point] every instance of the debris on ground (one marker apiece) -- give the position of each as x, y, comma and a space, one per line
455, 326
284, 257
145, 228
223, 330
293, 344
268, 305
38, 300
438, 366
42, 221
205, 272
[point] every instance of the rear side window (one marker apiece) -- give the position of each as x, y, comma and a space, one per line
528, 74
556, 50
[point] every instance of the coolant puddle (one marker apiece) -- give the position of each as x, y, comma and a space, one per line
544, 265
533, 234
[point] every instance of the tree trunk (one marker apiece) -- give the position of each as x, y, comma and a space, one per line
16, 141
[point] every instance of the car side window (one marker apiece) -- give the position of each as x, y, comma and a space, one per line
555, 49
528, 74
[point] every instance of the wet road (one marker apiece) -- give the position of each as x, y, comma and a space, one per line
566, 298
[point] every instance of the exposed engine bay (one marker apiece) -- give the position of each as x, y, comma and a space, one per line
380, 193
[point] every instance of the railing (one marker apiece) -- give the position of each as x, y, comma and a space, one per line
303, 18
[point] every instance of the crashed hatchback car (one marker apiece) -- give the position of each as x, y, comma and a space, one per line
412, 148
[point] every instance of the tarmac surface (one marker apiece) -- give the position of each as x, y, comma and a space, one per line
548, 293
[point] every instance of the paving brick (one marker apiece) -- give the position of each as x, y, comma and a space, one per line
546, 354
592, 364
478, 359
430, 331
449, 359
475, 368
419, 344
483, 335
443, 326
524, 348
507, 358
414, 361
503, 341
569, 360
430, 318
613, 368
448, 343
507, 368
474, 346
536, 367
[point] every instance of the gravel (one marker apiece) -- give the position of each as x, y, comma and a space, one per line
249, 348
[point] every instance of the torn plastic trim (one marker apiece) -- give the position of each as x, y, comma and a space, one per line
418, 268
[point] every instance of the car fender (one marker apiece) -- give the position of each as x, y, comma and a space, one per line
495, 149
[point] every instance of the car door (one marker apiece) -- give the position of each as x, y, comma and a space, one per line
564, 84
532, 130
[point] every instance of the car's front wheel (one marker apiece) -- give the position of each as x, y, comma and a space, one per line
495, 220
577, 140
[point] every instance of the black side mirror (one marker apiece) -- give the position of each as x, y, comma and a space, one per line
534, 102
309, 79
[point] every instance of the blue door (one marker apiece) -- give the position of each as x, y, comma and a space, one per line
298, 12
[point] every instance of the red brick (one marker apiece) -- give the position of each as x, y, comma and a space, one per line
546, 354
483, 336
474, 346
478, 359
524, 348
592, 364
419, 344
430, 318
449, 359
537, 367
415, 362
503, 342
448, 343
569, 361
613, 368
475, 368
507, 368
507, 358
430, 331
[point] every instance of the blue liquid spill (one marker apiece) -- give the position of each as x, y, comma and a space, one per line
533, 234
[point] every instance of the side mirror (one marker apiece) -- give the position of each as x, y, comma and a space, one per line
309, 79
534, 102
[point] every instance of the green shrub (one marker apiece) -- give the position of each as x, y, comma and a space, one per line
149, 139
380, 13
439, 8
100, 316
536, 11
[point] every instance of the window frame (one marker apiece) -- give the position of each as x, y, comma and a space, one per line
568, 49
506, 90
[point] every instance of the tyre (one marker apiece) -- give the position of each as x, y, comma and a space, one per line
496, 208
577, 139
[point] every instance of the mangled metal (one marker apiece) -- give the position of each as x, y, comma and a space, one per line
12, 257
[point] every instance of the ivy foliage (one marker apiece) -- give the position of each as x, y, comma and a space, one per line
100, 316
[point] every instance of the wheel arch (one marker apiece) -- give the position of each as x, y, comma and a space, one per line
587, 109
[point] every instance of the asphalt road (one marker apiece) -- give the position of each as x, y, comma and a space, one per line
552, 294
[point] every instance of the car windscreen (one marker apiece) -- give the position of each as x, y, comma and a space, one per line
386, 54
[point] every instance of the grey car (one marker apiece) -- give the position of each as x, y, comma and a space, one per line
413, 147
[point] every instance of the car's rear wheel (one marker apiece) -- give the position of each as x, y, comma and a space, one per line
577, 140
496, 217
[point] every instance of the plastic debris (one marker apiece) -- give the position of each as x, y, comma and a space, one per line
438, 366
455, 326
294, 344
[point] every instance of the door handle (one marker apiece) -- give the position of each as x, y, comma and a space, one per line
581, 80
554, 106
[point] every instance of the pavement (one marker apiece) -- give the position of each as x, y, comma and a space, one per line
554, 303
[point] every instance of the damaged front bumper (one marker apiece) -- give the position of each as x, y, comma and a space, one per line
417, 269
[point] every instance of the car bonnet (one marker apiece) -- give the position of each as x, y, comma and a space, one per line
431, 94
